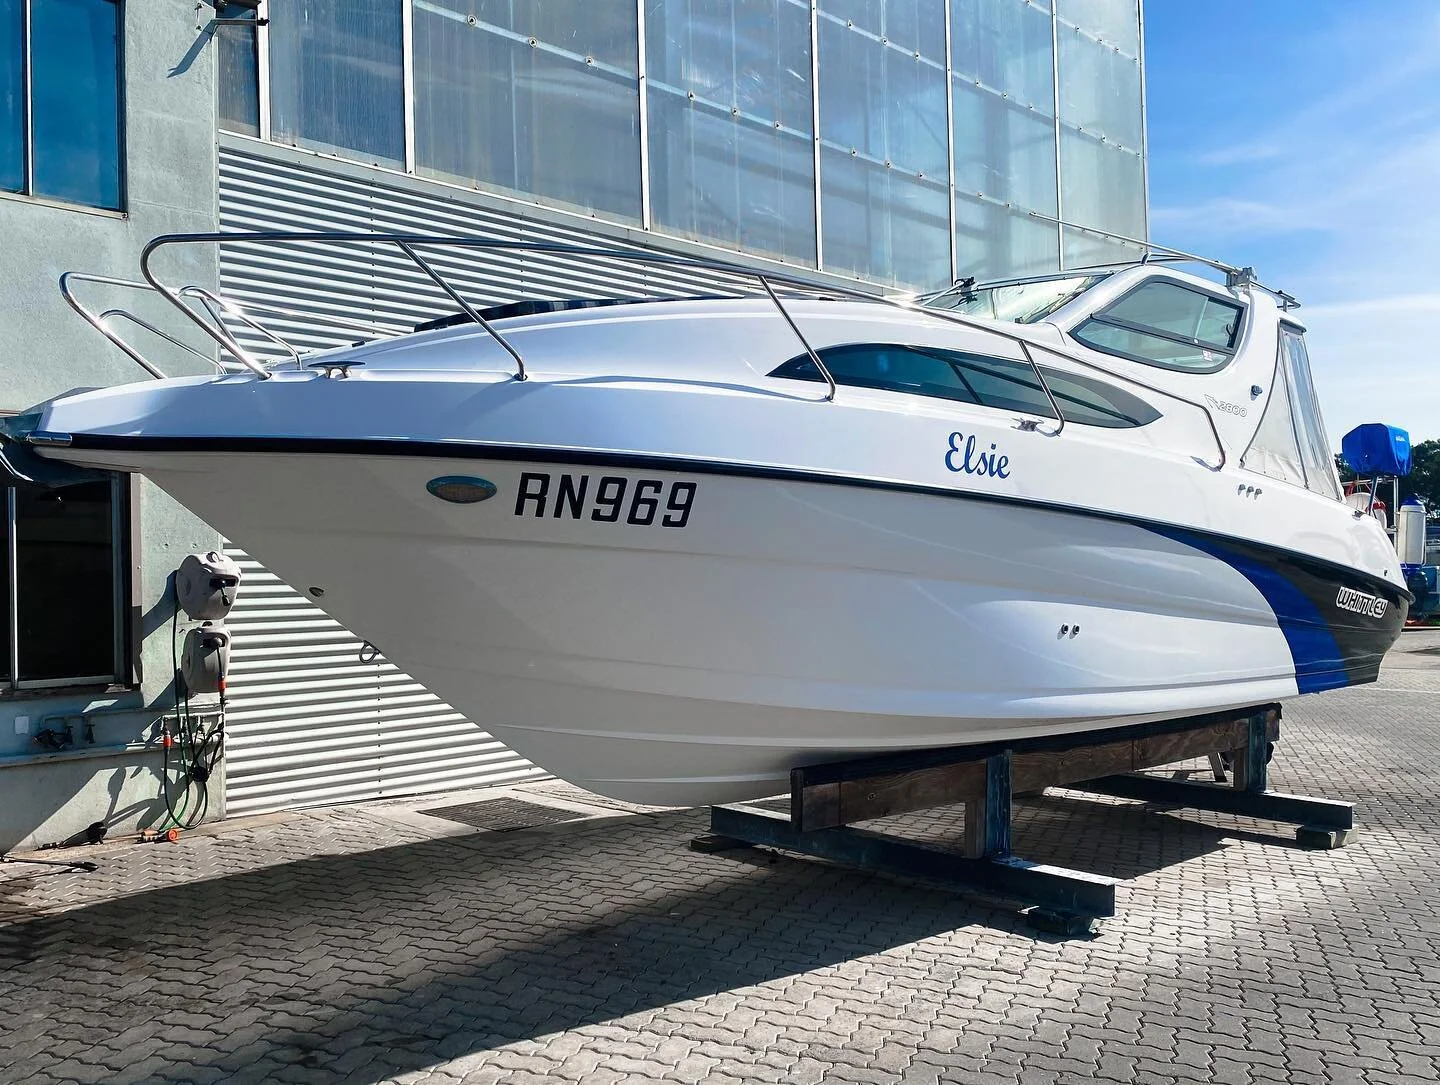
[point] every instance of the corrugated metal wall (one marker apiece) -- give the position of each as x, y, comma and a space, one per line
376, 283
309, 722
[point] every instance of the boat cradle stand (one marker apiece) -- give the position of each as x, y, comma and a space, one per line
825, 801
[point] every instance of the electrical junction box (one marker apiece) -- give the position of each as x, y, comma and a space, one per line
205, 585
205, 661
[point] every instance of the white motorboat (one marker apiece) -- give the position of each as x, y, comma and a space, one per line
704, 541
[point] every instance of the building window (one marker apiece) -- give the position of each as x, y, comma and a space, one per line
884, 145
1003, 91
63, 591
337, 78
539, 98
238, 75
732, 155
60, 100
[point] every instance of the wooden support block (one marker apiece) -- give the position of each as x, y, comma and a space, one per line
1252, 754
881, 796
1183, 745
987, 818
816, 806
842, 793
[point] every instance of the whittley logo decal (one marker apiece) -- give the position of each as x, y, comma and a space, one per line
967, 456
1358, 602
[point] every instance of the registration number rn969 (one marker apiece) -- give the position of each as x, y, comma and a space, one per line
609, 499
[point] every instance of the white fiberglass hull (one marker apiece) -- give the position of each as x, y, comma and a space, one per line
693, 577
700, 664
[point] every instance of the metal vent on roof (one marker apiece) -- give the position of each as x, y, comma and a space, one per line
503, 815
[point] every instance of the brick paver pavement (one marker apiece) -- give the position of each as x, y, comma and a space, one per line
371, 944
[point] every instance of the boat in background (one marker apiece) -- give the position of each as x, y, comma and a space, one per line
670, 549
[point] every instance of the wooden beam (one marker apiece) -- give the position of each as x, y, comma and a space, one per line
959, 773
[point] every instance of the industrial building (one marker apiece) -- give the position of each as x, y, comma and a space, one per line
895, 144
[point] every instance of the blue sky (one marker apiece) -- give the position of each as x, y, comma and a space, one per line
1302, 137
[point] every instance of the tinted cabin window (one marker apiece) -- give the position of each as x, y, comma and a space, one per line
1169, 325
973, 378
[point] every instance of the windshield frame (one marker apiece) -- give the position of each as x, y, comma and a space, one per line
968, 291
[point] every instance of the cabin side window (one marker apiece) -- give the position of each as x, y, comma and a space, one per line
1167, 324
1290, 442
1002, 383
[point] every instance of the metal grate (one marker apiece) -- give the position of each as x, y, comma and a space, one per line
502, 815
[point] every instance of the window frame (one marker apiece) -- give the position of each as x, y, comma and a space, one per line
936, 353
27, 121
1098, 316
124, 673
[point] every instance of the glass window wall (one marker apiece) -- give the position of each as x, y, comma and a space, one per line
730, 119
1102, 168
1115, 22
1003, 97
884, 167
336, 77
542, 99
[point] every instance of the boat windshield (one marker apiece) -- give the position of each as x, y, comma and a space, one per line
1020, 302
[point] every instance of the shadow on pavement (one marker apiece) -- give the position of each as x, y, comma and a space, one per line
363, 966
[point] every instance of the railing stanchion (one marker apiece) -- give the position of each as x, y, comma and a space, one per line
824, 371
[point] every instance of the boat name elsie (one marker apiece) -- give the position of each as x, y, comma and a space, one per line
964, 457
606, 500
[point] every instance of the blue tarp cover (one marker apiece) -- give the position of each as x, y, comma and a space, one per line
1377, 449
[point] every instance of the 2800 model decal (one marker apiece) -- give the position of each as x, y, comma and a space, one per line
1357, 602
605, 499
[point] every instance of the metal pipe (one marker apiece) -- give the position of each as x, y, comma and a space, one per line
767, 278
1045, 387
469, 309
1218, 265
128, 315
824, 372
220, 334
214, 302
96, 322
12, 576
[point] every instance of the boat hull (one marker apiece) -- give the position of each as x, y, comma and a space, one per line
688, 635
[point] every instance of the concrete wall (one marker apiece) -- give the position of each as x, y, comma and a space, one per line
45, 349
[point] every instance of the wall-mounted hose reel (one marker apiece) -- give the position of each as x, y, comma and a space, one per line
205, 587
205, 659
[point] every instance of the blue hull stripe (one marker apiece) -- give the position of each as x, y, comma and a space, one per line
1319, 662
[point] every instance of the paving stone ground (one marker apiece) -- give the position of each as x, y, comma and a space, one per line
378, 944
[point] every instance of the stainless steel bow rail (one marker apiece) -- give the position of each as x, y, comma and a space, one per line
208, 311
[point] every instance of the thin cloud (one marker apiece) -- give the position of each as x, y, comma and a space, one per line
1336, 196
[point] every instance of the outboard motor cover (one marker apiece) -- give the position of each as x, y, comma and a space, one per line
205, 585
1377, 449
